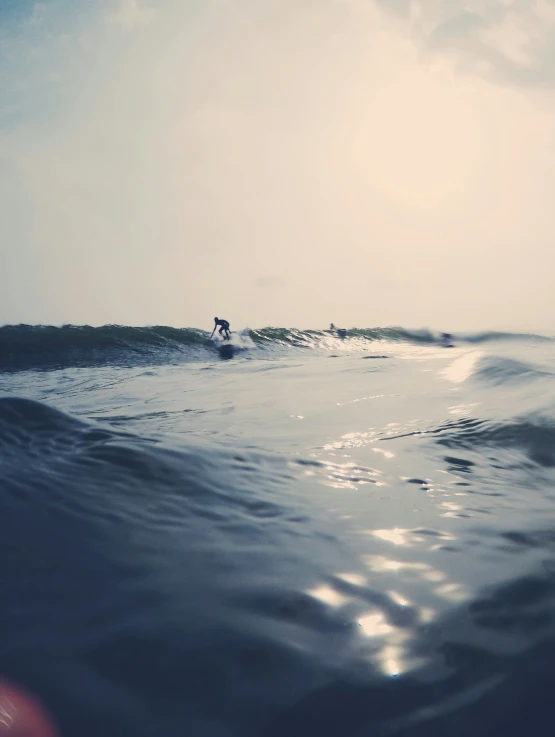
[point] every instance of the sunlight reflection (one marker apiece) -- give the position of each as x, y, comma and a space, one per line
453, 510
452, 592
463, 410
375, 602
362, 399
374, 625
349, 475
452, 507
353, 578
328, 596
391, 660
461, 368
411, 538
389, 642
434, 576
386, 453
391, 667
398, 599
353, 440
385, 643
397, 536
380, 564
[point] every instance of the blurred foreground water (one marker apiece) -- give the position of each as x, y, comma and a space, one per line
319, 537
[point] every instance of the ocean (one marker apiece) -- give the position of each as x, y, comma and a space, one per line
307, 536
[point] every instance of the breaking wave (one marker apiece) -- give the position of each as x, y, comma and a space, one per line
43, 347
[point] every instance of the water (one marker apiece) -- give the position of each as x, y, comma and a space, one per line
318, 537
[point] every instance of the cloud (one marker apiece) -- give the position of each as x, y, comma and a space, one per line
507, 40
456, 28
130, 14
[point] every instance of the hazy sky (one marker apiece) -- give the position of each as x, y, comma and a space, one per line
278, 162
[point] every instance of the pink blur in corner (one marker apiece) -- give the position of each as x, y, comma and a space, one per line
21, 715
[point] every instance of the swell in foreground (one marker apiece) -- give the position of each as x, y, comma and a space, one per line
318, 544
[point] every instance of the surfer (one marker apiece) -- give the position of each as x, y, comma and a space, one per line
341, 332
224, 327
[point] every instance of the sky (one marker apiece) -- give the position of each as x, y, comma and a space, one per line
286, 162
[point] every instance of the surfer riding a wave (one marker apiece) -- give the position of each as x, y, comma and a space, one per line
224, 328
341, 332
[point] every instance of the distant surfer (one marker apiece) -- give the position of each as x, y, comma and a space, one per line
341, 332
224, 328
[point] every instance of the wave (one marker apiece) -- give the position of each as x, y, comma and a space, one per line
24, 347
492, 336
152, 580
501, 370
310, 338
533, 436
44, 347
153, 590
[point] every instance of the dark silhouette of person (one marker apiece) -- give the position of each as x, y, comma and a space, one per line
341, 332
224, 327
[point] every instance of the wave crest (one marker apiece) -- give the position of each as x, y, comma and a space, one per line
45, 347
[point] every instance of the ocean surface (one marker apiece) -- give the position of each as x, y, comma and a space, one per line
306, 535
